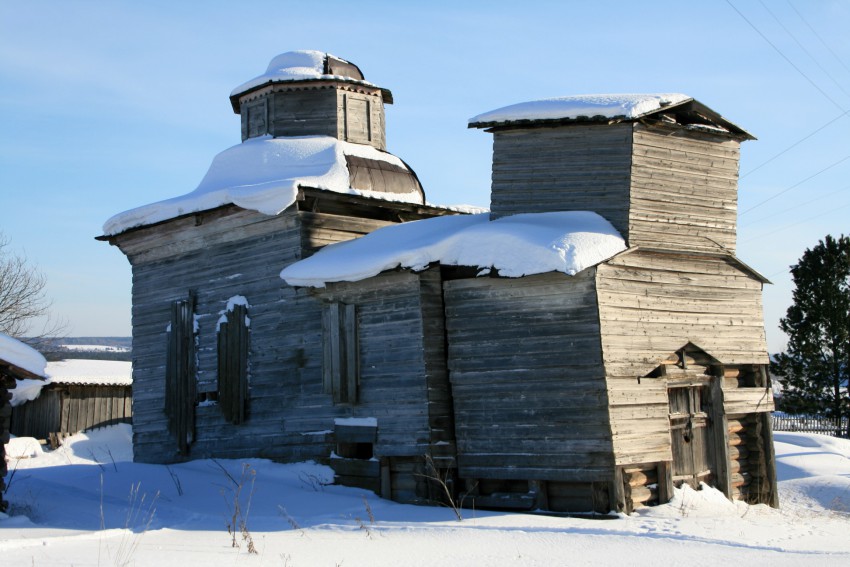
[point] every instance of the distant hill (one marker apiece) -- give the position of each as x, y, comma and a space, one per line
90, 348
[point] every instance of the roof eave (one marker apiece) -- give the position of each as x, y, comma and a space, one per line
386, 94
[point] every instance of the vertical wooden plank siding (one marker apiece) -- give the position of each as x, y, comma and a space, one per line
579, 168
65, 409
684, 190
527, 380
340, 366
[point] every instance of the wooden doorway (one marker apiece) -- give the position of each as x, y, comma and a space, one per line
690, 434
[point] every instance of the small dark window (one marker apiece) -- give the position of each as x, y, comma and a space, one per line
233, 335
340, 365
180, 373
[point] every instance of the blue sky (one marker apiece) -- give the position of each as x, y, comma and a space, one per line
110, 105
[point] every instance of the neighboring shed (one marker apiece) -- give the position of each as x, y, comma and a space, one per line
18, 361
78, 395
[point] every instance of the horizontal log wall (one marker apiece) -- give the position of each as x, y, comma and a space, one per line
220, 254
396, 386
576, 168
684, 190
650, 305
527, 380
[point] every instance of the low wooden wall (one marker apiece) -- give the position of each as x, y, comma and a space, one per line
70, 408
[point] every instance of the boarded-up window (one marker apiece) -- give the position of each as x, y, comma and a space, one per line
340, 365
256, 119
233, 337
358, 127
180, 373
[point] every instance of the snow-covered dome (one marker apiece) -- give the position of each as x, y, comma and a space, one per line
264, 174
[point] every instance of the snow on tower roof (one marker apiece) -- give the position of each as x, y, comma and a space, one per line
516, 245
306, 65
21, 357
263, 174
626, 106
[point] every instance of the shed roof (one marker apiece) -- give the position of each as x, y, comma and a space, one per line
90, 372
264, 174
302, 66
516, 245
20, 360
610, 108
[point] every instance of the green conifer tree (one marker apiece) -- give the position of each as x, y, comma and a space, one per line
815, 368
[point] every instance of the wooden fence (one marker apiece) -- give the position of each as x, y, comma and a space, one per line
810, 424
66, 409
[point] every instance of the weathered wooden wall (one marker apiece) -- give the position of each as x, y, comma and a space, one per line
650, 305
526, 373
316, 109
575, 168
217, 255
684, 190
65, 409
402, 372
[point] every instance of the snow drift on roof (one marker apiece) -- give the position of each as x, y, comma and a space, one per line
263, 174
516, 246
294, 66
21, 355
81, 371
629, 106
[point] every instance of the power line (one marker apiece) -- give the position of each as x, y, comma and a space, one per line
795, 207
795, 185
795, 144
817, 35
803, 47
787, 226
779, 51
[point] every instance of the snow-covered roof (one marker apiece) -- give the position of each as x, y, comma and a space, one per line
305, 65
516, 245
74, 371
626, 106
678, 109
263, 174
21, 356
90, 372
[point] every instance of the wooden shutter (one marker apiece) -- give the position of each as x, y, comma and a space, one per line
180, 374
233, 365
340, 364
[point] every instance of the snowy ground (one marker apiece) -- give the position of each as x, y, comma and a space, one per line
87, 503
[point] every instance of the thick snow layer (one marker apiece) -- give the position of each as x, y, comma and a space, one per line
87, 372
79, 371
21, 355
263, 174
629, 106
293, 66
88, 503
517, 245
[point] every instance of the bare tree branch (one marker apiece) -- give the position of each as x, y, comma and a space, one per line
23, 299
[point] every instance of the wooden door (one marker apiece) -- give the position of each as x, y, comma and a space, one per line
689, 434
